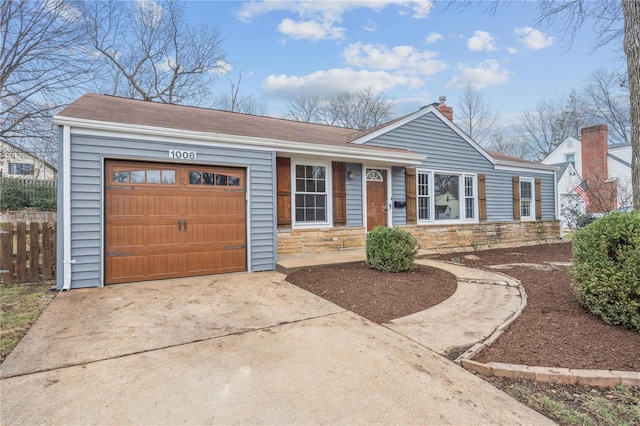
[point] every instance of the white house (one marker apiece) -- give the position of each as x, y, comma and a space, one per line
18, 163
601, 159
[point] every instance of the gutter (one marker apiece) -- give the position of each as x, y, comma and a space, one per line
66, 207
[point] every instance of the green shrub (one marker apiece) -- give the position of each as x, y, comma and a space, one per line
44, 196
13, 195
606, 271
390, 249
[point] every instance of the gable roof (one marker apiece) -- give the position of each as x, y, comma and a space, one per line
562, 169
513, 161
154, 114
17, 148
114, 114
619, 160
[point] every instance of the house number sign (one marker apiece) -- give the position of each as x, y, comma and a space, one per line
182, 155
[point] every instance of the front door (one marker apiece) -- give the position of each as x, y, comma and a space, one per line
377, 206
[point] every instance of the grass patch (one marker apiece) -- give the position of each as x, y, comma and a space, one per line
569, 405
20, 307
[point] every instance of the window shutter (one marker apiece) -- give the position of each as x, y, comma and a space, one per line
516, 197
339, 193
482, 197
410, 189
538, 199
283, 182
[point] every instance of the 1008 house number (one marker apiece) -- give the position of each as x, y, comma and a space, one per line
182, 155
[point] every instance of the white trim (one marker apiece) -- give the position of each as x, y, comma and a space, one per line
461, 199
520, 167
66, 207
328, 190
556, 201
532, 209
563, 143
364, 194
423, 111
164, 134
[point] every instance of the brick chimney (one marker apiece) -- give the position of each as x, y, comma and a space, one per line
595, 170
447, 111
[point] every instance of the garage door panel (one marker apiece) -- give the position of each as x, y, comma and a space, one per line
126, 269
166, 228
163, 264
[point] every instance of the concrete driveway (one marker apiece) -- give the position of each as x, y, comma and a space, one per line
232, 349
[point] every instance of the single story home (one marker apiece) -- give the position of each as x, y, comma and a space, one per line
15, 162
154, 191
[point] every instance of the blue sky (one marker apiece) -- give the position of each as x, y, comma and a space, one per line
414, 51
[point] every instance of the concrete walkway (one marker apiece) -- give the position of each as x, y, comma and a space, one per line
233, 349
483, 302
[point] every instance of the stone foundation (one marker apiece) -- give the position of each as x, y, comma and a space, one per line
313, 241
443, 238
484, 235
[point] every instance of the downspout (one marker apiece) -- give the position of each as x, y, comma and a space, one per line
66, 206
556, 202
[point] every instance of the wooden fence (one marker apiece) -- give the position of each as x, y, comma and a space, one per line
27, 252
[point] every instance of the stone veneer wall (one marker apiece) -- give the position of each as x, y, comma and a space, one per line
309, 241
430, 237
484, 235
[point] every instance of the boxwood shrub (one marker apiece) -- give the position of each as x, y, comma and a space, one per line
390, 249
606, 271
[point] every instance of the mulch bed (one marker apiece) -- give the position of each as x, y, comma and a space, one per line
377, 296
553, 330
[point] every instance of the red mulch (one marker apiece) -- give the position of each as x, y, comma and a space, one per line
553, 330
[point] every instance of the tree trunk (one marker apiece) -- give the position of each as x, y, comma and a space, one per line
631, 13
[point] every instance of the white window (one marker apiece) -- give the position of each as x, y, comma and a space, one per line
446, 197
570, 158
527, 199
21, 169
311, 194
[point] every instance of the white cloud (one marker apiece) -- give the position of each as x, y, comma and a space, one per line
337, 79
533, 39
513, 50
370, 26
311, 30
317, 19
433, 38
405, 59
483, 74
481, 40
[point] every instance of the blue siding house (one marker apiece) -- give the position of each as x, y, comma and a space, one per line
153, 191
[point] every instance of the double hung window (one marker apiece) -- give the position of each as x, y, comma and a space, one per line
527, 200
311, 194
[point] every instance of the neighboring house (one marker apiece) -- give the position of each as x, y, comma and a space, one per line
153, 191
18, 163
605, 167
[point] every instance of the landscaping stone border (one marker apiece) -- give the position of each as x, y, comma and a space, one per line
567, 376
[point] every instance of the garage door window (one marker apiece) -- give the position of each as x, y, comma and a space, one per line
216, 179
163, 177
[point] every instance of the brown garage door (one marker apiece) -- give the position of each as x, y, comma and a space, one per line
168, 221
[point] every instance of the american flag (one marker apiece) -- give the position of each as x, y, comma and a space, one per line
581, 190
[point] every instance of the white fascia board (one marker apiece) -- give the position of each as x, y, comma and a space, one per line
423, 111
521, 167
164, 134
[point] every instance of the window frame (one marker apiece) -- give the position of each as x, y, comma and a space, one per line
295, 224
31, 166
566, 158
532, 200
461, 197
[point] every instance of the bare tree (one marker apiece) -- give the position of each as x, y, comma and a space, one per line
236, 102
306, 108
605, 99
41, 66
359, 110
549, 123
509, 144
150, 52
615, 22
475, 116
